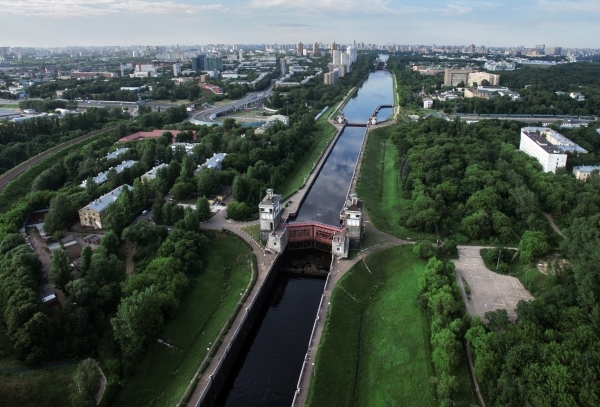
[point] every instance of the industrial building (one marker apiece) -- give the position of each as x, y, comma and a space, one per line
548, 146
93, 214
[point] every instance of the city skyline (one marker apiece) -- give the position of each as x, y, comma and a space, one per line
56, 23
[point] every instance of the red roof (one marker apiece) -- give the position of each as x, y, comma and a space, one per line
141, 135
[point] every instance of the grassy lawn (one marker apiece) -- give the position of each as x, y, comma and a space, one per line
254, 232
378, 186
10, 106
45, 387
375, 347
164, 373
295, 180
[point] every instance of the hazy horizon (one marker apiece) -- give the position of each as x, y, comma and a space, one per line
59, 23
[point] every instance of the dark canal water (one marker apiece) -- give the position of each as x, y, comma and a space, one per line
268, 367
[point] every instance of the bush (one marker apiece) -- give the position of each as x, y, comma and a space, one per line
238, 211
423, 249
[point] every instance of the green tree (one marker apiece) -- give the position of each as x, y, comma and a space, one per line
137, 320
533, 245
203, 208
60, 215
85, 384
208, 182
86, 259
60, 272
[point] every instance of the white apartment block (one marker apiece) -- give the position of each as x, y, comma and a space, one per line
549, 147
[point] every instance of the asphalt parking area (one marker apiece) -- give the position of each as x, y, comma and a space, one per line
489, 291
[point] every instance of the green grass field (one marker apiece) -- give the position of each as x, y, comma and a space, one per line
304, 166
37, 388
46, 387
375, 347
378, 186
164, 373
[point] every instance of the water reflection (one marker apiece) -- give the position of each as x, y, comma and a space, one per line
375, 91
267, 369
327, 196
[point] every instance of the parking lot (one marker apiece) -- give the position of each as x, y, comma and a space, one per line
489, 291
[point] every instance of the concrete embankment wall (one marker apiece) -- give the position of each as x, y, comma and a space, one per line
292, 215
218, 377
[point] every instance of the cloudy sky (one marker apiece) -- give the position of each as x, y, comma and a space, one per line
46, 23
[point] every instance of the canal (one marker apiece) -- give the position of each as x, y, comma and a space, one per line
267, 370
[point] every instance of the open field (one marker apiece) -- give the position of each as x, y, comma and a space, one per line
378, 186
165, 372
304, 166
375, 347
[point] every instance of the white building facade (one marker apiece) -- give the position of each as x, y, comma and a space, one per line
547, 146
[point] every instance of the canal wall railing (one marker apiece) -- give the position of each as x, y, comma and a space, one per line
218, 377
313, 177
307, 359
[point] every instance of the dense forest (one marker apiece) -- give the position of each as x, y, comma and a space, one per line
472, 183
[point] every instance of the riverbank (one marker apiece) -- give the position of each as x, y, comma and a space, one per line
375, 345
170, 364
379, 187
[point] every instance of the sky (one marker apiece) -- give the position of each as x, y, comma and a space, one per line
53, 23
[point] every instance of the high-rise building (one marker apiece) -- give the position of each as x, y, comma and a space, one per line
351, 51
214, 63
299, 49
331, 78
315, 48
471, 48
333, 47
198, 63
176, 69
552, 50
541, 48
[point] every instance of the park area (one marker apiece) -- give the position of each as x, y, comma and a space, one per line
166, 370
375, 347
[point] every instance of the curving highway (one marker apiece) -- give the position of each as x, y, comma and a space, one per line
251, 98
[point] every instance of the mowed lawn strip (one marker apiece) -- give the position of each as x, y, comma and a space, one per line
378, 185
165, 372
375, 347
304, 167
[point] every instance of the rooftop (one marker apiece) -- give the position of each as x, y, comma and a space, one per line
103, 176
152, 172
116, 154
587, 168
552, 141
102, 203
215, 161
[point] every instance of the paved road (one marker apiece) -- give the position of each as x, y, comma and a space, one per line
250, 98
19, 169
489, 291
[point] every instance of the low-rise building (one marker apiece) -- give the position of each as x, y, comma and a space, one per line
116, 154
488, 92
103, 176
427, 103
215, 162
152, 173
582, 172
93, 214
548, 146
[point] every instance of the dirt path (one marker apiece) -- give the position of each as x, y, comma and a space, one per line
102, 385
551, 220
